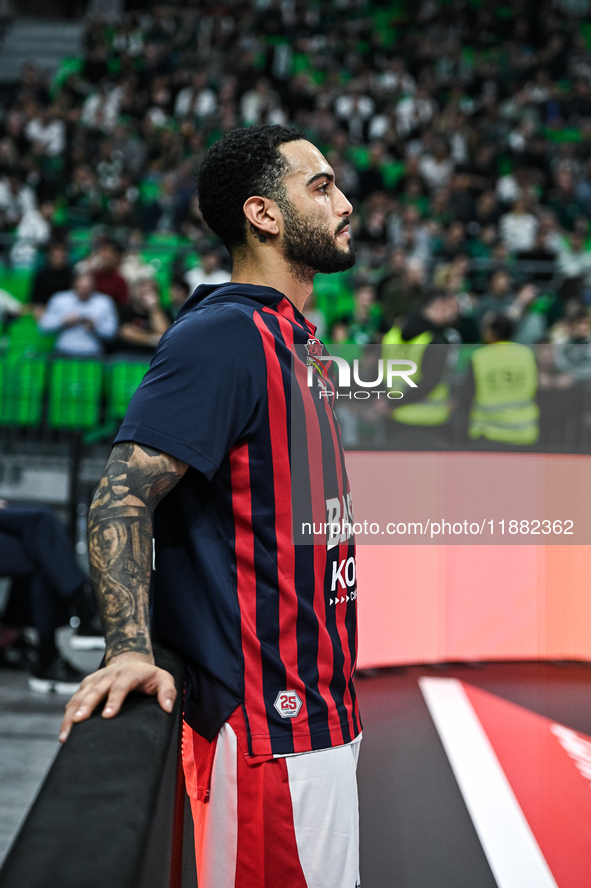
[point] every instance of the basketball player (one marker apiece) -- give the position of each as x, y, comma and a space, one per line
202, 464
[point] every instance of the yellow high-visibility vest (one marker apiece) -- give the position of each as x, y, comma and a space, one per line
434, 409
504, 407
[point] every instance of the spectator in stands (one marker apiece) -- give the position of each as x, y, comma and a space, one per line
563, 201
83, 197
371, 179
339, 333
541, 258
208, 272
574, 262
160, 215
513, 185
134, 266
498, 293
197, 101
84, 319
460, 201
101, 109
16, 198
414, 112
414, 195
54, 276
373, 231
33, 231
453, 242
47, 132
453, 276
366, 321
400, 291
122, 216
411, 234
487, 211
579, 328
95, 67
354, 108
179, 293
501, 299
261, 105
437, 168
105, 265
391, 284
143, 321
518, 228
35, 551
583, 188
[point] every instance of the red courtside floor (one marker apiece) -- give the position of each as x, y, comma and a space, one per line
476, 776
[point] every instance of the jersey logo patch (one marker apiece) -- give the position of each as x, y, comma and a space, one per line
287, 704
314, 349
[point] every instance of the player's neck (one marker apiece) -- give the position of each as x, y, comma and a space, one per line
272, 270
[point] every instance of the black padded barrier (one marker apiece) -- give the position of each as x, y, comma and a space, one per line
112, 812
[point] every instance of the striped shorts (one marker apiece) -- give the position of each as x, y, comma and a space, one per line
288, 822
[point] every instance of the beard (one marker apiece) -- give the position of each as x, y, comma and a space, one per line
310, 247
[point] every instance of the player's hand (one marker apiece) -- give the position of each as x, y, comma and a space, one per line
124, 673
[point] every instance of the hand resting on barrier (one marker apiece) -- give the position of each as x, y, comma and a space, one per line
125, 673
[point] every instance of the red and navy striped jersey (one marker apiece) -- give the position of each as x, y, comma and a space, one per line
263, 623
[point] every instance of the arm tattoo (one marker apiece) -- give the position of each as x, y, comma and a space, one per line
120, 541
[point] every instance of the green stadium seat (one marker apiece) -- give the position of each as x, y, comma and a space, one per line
17, 282
167, 239
124, 378
22, 386
25, 338
75, 394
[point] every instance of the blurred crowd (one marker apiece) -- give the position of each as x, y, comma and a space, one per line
460, 130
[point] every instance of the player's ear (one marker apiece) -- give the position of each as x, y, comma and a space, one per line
262, 215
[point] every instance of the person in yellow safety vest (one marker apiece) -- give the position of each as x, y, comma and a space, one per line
504, 381
416, 339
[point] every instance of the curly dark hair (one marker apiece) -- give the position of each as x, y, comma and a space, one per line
243, 163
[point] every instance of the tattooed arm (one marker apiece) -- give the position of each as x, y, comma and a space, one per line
120, 548
120, 541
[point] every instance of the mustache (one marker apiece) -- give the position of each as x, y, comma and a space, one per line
342, 225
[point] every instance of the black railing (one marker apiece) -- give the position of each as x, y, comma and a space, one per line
113, 809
